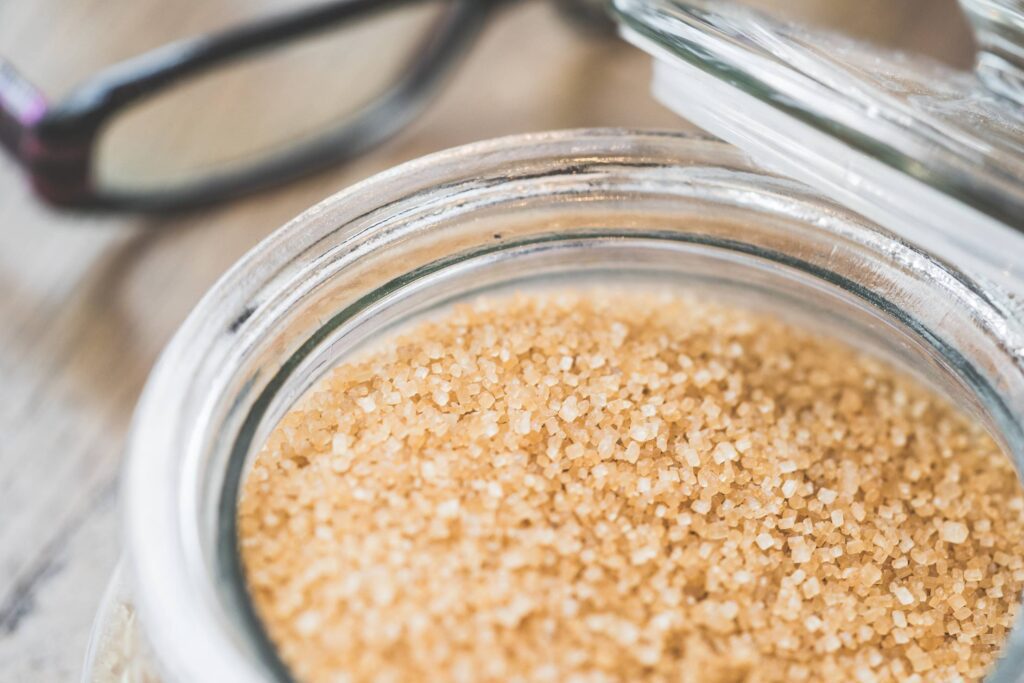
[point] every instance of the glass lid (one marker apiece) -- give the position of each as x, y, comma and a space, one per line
934, 154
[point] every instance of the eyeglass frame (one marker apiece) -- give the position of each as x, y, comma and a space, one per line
55, 144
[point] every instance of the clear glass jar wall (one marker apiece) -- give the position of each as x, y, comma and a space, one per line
591, 204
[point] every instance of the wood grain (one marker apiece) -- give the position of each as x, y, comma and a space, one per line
87, 302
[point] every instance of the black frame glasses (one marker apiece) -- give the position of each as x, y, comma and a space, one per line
56, 144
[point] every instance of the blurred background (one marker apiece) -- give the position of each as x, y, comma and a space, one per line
88, 300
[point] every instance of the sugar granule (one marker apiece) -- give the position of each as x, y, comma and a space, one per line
602, 485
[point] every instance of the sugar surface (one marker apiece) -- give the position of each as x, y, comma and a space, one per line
619, 486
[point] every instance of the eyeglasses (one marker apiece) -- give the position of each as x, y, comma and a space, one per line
213, 117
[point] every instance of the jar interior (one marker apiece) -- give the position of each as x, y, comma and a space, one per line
759, 282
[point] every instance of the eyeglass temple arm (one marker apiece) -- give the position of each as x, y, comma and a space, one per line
21, 106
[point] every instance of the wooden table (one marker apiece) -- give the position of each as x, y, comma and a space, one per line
87, 302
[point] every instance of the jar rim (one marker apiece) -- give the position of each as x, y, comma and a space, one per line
175, 413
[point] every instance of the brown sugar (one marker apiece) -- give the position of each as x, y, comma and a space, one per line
629, 485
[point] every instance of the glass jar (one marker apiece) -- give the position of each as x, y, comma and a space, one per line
542, 208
